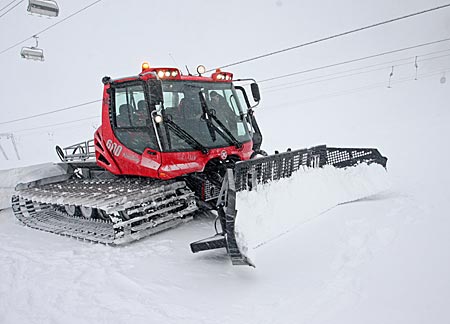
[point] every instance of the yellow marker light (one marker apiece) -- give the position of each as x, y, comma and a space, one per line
145, 66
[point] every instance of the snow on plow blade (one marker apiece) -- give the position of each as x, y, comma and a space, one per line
336, 175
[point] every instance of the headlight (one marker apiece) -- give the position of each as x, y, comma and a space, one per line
201, 69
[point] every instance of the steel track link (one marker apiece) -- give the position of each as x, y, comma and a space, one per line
135, 207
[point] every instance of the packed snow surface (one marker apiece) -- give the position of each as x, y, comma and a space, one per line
12, 177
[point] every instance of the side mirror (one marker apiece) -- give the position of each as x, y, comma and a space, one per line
255, 92
156, 92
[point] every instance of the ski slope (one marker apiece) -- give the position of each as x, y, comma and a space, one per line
377, 260
380, 260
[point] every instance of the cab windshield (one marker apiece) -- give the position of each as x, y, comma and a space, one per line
208, 112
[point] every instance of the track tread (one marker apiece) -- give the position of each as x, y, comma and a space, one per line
136, 207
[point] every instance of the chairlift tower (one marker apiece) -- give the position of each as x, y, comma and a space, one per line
9, 136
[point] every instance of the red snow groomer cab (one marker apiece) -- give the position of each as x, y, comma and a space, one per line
162, 124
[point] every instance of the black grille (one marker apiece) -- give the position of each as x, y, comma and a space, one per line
343, 157
282, 165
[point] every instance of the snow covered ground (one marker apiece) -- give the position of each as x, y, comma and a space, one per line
379, 260
322, 269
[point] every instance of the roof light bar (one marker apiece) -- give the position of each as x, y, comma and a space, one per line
222, 76
162, 73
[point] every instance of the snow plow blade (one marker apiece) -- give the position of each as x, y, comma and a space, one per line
247, 175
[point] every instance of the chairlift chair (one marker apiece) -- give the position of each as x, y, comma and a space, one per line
33, 52
43, 7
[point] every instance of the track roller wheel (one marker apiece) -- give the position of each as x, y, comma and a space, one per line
88, 212
71, 210
103, 215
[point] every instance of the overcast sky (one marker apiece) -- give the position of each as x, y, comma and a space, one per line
114, 37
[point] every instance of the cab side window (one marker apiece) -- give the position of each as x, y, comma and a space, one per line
130, 118
130, 107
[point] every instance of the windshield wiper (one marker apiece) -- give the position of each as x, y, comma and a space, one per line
207, 115
188, 138
231, 139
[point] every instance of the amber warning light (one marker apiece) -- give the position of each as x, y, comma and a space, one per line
162, 73
222, 76
167, 73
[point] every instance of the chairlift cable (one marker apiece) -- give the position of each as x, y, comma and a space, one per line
311, 99
8, 5
18, 3
328, 77
333, 36
51, 26
319, 68
57, 124
68, 17
50, 112
359, 89
374, 85
321, 77
354, 60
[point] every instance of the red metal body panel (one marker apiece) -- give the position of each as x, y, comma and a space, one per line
115, 157
176, 164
